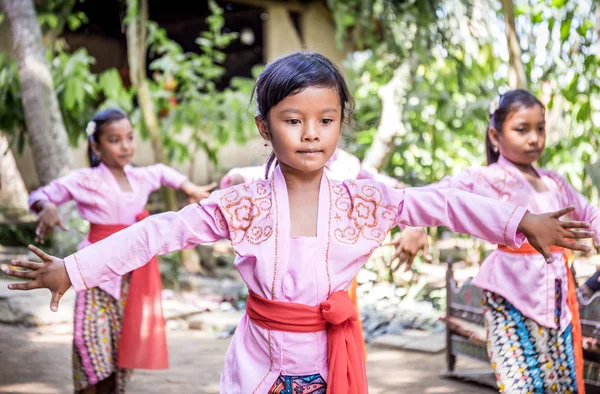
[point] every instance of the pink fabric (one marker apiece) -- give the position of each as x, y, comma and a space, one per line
341, 166
100, 200
526, 281
354, 218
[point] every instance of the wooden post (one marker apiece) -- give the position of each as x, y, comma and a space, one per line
450, 357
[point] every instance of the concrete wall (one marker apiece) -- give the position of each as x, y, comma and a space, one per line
281, 38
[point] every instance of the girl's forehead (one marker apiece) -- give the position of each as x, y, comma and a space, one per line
533, 113
118, 126
313, 97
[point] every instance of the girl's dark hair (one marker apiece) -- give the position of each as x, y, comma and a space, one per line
290, 75
507, 104
100, 120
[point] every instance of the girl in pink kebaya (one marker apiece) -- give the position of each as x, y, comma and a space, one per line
300, 238
531, 311
112, 195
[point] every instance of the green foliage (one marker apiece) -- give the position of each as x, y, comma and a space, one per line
194, 114
459, 66
80, 94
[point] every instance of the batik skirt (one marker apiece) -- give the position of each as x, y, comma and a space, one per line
98, 318
527, 357
311, 384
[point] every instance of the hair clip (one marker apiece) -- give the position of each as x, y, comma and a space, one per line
494, 105
90, 128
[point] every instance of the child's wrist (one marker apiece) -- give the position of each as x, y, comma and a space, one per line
523, 226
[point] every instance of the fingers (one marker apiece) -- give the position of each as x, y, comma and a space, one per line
426, 254
62, 226
56, 296
404, 257
567, 224
40, 253
41, 232
26, 264
20, 274
409, 263
396, 255
394, 242
547, 255
562, 212
211, 186
574, 246
580, 234
25, 286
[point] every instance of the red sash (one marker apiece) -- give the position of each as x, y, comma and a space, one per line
526, 248
337, 315
143, 342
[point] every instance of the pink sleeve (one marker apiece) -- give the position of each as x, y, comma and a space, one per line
57, 192
584, 211
162, 175
463, 181
481, 217
136, 245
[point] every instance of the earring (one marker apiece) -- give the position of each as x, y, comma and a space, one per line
495, 149
266, 144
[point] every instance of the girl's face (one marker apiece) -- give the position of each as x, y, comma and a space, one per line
115, 146
523, 136
304, 128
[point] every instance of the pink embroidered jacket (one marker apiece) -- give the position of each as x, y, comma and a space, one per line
100, 199
526, 281
354, 218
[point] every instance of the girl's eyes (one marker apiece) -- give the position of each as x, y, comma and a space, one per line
294, 122
113, 140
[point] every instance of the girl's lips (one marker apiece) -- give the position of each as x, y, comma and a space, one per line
310, 152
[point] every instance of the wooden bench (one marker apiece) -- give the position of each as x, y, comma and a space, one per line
466, 336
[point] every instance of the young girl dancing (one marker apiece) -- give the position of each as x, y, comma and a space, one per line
531, 311
112, 195
300, 238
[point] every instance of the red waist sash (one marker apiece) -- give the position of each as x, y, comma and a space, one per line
337, 315
143, 342
526, 248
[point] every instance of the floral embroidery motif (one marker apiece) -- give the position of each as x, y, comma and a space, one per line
500, 180
245, 210
370, 216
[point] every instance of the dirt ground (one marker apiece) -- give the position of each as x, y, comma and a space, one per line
38, 361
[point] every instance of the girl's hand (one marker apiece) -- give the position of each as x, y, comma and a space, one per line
546, 230
197, 193
49, 274
408, 243
47, 219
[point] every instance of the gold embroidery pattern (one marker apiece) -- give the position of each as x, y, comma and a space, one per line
79, 270
276, 243
507, 222
370, 216
246, 213
270, 363
328, 240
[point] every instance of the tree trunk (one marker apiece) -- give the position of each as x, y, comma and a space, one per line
13, 193
516, 76
45, 126
136, 54
391, 124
